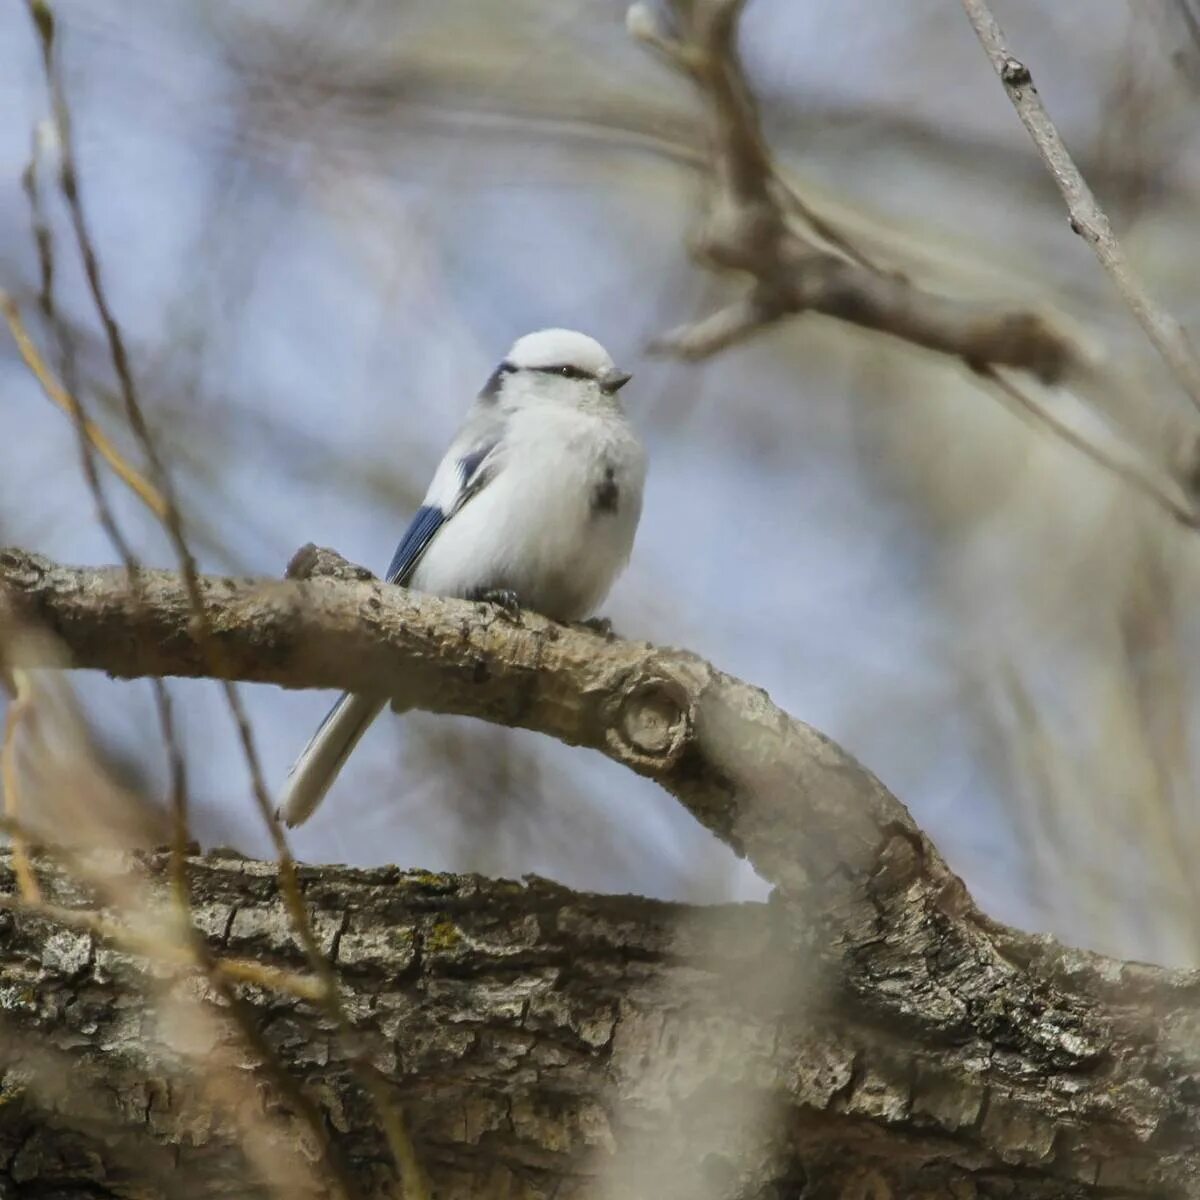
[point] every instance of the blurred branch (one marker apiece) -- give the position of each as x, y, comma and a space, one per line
21, 699
1171, 499
797, 261
1088, 219
129, 475
754, 223
46, 29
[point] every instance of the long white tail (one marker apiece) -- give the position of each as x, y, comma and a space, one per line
314, 771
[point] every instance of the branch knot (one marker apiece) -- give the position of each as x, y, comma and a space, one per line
652, 722
1015, 73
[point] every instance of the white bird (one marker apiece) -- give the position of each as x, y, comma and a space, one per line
536, 504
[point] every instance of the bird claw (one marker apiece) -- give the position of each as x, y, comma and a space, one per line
504, 599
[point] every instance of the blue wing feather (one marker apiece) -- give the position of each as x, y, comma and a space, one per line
473, 475
428, 520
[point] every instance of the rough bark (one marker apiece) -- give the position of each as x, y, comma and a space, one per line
868, 1033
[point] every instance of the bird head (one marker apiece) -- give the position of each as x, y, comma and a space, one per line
557, 366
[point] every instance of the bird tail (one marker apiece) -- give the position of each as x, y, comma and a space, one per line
314, 771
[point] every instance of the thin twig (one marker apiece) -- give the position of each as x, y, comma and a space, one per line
89, 437
168, 512
55, 391
1087, 218
22, 697
1147, 487
172, 521
91, 441
172, 518
44, 24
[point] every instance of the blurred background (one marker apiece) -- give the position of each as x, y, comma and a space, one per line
321, 224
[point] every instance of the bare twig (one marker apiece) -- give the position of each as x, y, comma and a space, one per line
756, 223
1175, 505
168, 513
68, 396
797, 266
92, 441
22, 698
167, 509
126, 472
172, 520
1087, 218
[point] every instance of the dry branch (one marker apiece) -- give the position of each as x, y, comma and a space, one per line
897, 1031
797, 262
1088, 219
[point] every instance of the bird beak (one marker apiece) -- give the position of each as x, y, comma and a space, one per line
614, 380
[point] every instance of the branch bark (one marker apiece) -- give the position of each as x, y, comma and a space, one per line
884, 1036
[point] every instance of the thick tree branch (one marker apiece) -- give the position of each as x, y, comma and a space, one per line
545, 1042
665, 714
982, 1049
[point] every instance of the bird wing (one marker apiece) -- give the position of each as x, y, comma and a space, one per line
471, 463
427, 521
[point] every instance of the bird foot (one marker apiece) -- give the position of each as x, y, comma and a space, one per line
504, 599
600, 625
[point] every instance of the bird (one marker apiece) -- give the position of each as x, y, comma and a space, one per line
535, 505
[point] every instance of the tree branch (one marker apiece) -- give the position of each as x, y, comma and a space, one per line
798, 262
665, 714
1088, 219
894, 1009
546, 1042
756, 224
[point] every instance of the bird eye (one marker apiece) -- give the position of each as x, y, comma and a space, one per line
565, 371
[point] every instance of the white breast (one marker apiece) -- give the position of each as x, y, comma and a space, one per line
557, 523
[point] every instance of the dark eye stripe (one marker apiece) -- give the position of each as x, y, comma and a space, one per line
566, 371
